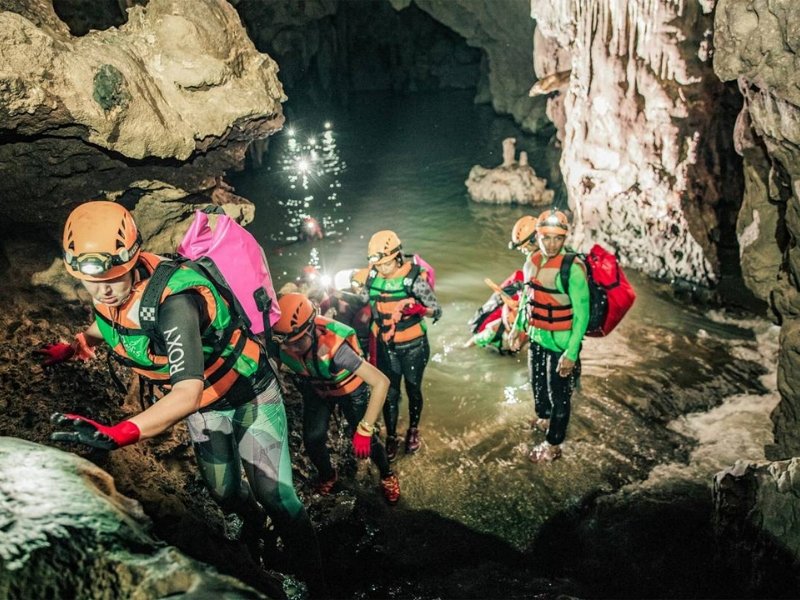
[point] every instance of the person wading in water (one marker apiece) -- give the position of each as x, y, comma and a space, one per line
556, 322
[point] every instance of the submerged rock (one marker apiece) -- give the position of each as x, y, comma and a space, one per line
65, 532
511, 182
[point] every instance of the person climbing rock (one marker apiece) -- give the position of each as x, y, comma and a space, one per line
400, 297
212, 371
556, 322
330, 369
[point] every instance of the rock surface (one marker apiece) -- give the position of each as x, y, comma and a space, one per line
755, 507
646, 129
504, 31
317, 41
68, 533
757, 47
175, 94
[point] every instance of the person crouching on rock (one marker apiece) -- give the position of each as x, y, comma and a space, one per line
400, 297
214, 372
327, 359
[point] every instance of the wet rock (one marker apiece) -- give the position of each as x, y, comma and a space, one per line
755, 520
646, 129
67, 533
174, 94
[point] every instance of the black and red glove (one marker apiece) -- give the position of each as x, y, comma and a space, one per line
415, 309
53, 354
91, 433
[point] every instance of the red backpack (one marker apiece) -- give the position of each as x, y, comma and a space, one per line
610, 293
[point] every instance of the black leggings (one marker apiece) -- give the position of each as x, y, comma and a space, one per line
403, 361
551, 392
316, 419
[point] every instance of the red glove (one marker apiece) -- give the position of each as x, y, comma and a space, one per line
60, 352
415, 309
361, 445
53, 354
91, 433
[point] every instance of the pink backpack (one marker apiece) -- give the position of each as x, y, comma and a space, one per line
241, 263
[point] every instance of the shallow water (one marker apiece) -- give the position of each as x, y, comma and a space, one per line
390, 163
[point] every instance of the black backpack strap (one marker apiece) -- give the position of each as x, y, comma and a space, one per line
411, 278
151, 299
566, 265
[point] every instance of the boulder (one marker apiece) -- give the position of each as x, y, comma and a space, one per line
67, 533
174, 94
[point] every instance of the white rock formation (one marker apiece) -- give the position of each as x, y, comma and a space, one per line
639, 127
512, 182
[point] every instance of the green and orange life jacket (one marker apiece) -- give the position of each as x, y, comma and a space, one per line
229, 352
315, 364
547, 307
385, 297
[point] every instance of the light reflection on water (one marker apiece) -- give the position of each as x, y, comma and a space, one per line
401, 165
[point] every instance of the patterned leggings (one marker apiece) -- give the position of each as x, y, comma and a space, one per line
254, 436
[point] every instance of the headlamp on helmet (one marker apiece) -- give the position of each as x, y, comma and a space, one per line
553, 222
94, 264
379, 257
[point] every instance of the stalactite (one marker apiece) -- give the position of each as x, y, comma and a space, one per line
630, 159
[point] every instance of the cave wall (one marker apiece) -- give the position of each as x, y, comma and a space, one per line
758, 47
504, 31
329, 48
175, 94
646, 129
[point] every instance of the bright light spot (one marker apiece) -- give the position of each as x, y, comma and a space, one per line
290, 131
325, 280
302, 165
310, 225
312, 141
328, 125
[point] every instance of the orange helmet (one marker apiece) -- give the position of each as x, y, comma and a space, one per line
553, 222
297, 316
101, 241
383, 247
358, 278
522, 232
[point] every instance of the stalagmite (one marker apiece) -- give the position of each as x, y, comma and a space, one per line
509, 150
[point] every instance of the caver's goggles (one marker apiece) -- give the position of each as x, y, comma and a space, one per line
95, 264
379, 256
